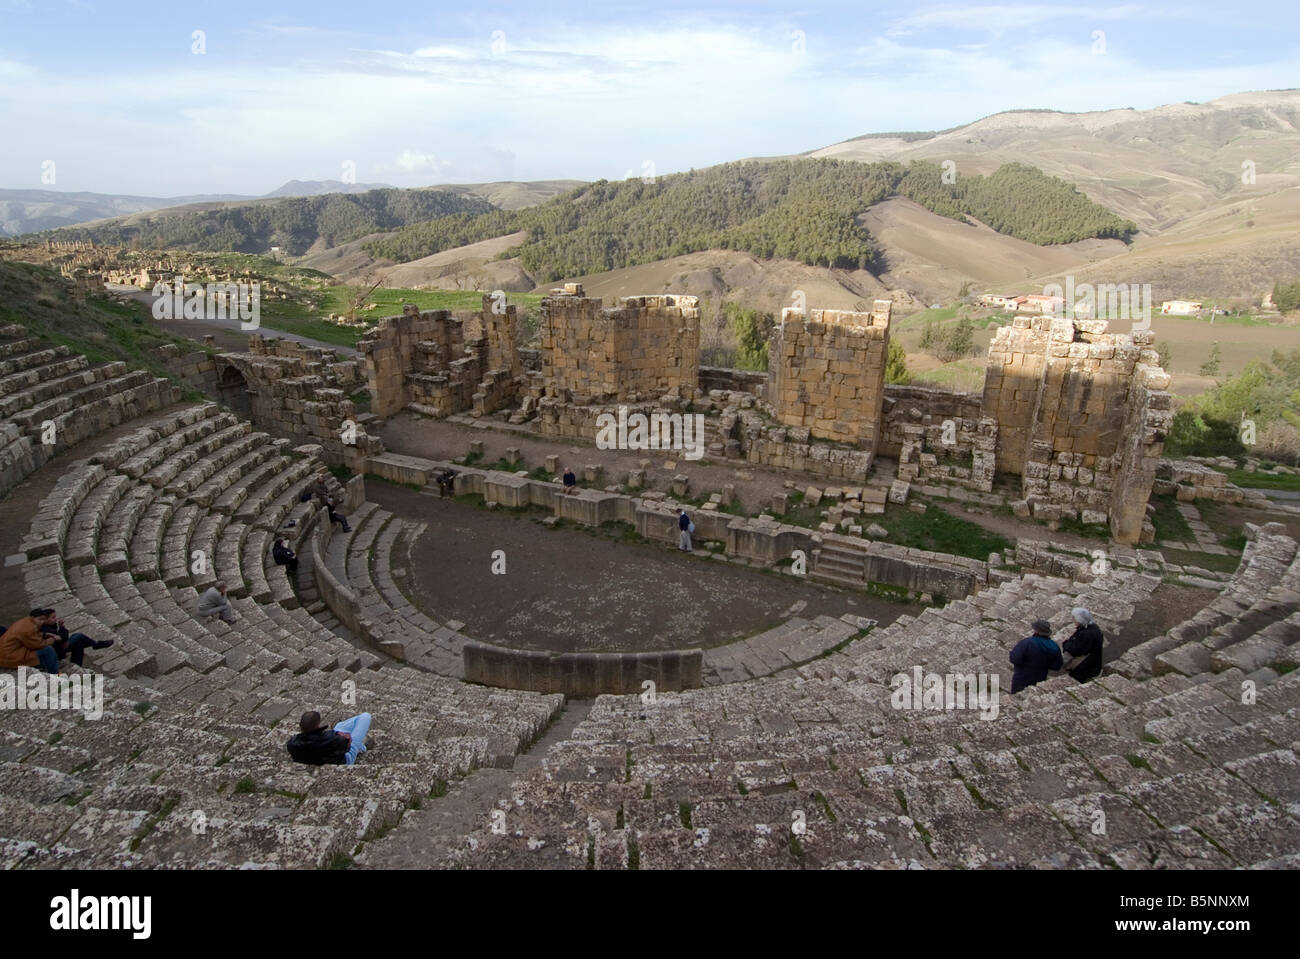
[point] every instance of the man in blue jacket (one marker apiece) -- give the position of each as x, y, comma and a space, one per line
1034, 657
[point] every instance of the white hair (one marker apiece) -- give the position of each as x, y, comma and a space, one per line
1082, 616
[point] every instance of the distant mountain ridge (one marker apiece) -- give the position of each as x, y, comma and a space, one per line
33, 211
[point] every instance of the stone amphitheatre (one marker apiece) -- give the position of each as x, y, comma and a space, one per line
779, 749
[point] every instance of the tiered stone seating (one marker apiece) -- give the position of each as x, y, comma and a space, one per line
199, 711
51, 399
817, 768
363, 560
179, 777
1183, 754
1265, 588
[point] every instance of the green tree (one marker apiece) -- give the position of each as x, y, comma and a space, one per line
929, 335
1213, 362
1286, 298
896, 364
958, 340
1166, 354
751, 330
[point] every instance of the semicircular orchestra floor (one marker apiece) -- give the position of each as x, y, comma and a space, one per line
569, 590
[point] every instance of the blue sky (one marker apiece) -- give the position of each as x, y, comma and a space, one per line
413, 93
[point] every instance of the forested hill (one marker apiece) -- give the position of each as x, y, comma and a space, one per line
293, 224
803, 210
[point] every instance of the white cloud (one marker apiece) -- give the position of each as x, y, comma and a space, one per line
408, 161
574, 101
1003, 18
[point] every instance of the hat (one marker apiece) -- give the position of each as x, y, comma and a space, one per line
1041, 627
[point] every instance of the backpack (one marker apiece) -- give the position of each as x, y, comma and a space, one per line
690, 527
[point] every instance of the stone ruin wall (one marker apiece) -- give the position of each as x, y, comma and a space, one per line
441, 364
642, 353
827, 373
1078, 412
939, 437
289, 390
643, 347
1082, 416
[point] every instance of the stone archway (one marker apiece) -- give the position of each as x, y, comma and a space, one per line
232, 390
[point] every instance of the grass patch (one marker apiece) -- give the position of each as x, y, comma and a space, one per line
142, 708
633, 854
826, 805
1262, 480
939, 531
340, 860
1169, 523
1207, 561
1073, 525
245, 785
1137, 762
438, 789
684, 812
42, 302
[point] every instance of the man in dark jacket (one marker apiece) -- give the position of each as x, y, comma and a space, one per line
684, 529
1086, 642
73, 646
318, 746
1034, 656
284, 556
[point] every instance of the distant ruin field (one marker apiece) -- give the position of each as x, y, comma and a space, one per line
1240, 339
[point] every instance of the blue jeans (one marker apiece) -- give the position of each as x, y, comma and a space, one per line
357, 727
48, 658
77, 644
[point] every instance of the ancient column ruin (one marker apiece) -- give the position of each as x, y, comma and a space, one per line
827, 373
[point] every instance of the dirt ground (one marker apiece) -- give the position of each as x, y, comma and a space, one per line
571, 590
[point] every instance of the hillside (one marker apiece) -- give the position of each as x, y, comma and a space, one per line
32, 211
803, 210
1156, 167
294, 224
43, 302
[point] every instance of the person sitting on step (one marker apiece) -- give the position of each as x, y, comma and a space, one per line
25, 644
1085, 645
72, 646
446, 482
213, 602
328, 502
317, 745
570, 481
1034, 656
284, 556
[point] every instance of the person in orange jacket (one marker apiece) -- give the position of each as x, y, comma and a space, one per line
23, 643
